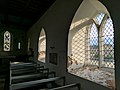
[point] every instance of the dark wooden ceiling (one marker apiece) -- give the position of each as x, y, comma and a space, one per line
22, 14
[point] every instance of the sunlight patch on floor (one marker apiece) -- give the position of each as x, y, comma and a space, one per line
101, 76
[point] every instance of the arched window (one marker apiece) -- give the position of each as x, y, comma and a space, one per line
108, 43
93, 45
42, 46
91, 50
28, 43
7, 41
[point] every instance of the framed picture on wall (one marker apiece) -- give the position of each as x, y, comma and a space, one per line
53, 58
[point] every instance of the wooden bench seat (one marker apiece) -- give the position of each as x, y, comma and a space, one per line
30, 77
35, 83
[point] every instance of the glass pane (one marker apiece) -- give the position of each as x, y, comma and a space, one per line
108, 41
42, 46
19, 45
94, 54
98, 19
7, 41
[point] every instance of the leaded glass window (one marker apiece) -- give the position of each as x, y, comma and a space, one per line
91, 51
98, 19
94, 54
42, 46
7, 41
108, 43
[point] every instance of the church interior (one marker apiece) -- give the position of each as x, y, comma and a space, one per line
59, 45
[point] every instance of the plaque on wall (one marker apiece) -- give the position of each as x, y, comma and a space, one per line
53, 58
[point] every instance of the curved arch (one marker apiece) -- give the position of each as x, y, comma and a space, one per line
86, 44
42, 46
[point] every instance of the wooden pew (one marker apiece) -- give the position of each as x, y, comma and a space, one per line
19, 63
68, 87
14, 66
24, 67
18, 74
28, 71
35, 83
30, 77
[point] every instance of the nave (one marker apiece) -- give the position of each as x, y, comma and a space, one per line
32, 76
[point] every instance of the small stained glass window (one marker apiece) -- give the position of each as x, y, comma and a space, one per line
7, 40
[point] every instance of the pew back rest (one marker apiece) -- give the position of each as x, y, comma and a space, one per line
75, 86
30, 77
23, 65
35, 83
28, 71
